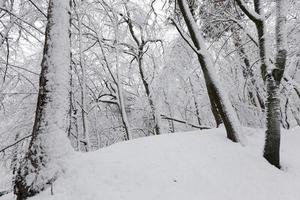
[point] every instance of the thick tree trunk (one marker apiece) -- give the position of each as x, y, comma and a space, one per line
272, 144
213, 103
49, 142
224, 106
214, 107
270, 74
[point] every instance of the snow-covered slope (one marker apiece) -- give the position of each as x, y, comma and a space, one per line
182, 166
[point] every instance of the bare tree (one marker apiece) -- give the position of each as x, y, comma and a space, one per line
271, 74
139, 50
213, 85
49, 141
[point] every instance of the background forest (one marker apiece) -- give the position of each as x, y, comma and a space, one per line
135, 72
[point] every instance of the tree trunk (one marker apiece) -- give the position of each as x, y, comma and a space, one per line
84, 114
73, 121
272, 143
197, 112
155, 113
139, 57
170, 111
123, 113
120, 96
119, 92
214, 107
270, 74
254, 96
224, 106
49, 141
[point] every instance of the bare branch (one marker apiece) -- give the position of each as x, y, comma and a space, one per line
13, 144
253, 16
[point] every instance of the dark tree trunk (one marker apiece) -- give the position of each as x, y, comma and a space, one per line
217, 94
270, 74
272, 143
214, 107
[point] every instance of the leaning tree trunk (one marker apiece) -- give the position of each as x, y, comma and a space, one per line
224, 106
49, 142
214, 107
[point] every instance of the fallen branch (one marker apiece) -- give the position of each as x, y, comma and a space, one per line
185, 122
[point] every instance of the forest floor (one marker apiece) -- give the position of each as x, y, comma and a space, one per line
182, 166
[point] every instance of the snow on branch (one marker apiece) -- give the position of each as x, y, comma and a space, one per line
254, 16
184, 122
184, 37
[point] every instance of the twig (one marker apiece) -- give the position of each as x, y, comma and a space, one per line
13, 144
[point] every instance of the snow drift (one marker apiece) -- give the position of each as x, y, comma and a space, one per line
189, 165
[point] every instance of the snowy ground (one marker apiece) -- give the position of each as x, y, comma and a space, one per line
184, 166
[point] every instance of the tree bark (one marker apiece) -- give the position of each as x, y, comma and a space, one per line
270, 74
140, 44
49, 141
155, 113
224, 106
272, 143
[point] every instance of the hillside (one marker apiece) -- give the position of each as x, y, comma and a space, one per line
189, 165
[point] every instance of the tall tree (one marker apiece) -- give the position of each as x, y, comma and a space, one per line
272, 143
138, 50
83, 80
271, 74
49, 142
213, 85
